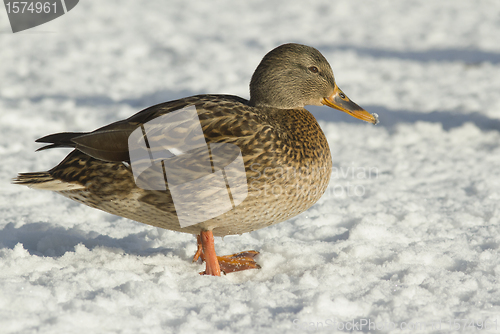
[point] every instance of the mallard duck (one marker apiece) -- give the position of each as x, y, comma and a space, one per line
284, 153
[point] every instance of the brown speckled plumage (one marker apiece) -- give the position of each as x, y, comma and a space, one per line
286, 155
281, 149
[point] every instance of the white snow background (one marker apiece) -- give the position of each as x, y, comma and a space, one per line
406, 239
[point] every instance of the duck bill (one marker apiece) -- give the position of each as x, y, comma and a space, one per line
338, 100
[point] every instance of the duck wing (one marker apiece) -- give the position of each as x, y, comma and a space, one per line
110, 142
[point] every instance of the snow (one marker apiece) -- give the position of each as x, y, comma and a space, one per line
407, 235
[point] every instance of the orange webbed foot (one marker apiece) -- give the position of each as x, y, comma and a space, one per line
226, 264
237, 262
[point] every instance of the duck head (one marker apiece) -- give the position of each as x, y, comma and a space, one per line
293, 76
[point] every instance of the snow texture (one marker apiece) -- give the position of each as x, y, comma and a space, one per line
406, 239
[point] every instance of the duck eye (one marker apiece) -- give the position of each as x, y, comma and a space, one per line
313, 69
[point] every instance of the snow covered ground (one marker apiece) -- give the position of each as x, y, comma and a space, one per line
407, 239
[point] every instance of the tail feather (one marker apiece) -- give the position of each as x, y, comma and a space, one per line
103, 144
50, 146
63, 139
45, 181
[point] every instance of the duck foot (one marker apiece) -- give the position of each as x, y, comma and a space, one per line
237, 262
226, 264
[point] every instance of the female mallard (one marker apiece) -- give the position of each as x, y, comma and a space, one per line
127, 170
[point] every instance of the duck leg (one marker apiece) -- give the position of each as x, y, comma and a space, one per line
226, 264
208, 253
